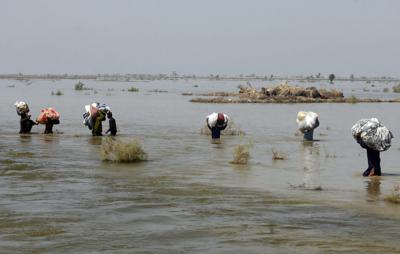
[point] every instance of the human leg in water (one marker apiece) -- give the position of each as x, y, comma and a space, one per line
215, 133
374, 163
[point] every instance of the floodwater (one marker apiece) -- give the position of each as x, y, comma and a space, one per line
57, 196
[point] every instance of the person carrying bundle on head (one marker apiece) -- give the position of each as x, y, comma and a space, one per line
217, 122
371, 135
25, 122
307, 122
48, 117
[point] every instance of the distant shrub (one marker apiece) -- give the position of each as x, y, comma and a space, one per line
133, 89
385, 90
396, 89
80, 86
353, 99
58, 93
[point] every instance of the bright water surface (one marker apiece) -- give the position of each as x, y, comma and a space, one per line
57, 196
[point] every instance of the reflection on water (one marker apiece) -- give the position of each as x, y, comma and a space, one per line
311, 160
373, 186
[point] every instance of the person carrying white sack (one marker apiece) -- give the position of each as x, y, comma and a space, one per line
307, 122
373, 136
217, 122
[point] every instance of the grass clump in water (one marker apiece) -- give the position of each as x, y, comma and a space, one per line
385, 90
276, 155
394, 197
133, 89
58, 93
114, 150
80, 86
241, 154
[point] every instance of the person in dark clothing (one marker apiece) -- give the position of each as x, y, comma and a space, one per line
49, 126
221, 124
374, 160
26, 124
113, 125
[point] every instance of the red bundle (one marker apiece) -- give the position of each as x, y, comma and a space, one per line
47, 114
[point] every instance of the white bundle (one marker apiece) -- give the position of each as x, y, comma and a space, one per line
307, 121
21, 107
374, 134
212, 119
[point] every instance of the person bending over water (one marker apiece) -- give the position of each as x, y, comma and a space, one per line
220, 125
113, 125
98, 127
374, 160
26, 124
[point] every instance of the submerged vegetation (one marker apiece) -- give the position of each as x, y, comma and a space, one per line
396, 89
353, 99
241, 154
80, 86
115, 150
277, 155
58, 93
133, 89
394, 196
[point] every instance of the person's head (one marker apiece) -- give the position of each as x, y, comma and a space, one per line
220, 119
109, 114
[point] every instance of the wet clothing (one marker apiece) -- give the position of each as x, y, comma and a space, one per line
26, 124
49, 126
216, 131
113, 126
374, 160
308, 135
98, 127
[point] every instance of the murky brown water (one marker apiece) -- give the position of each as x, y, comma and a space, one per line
56, 196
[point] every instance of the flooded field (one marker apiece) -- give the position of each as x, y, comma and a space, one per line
57, 196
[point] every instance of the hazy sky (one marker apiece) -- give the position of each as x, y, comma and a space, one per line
200, 37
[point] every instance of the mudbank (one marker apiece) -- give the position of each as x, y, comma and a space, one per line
282, 93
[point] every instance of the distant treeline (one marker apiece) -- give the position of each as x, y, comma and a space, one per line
175, 76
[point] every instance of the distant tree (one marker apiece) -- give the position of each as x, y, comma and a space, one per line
331, 78
318, 75
352, 77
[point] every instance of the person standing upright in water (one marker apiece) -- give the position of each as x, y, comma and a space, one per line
113, 125
217, 125
49, 126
